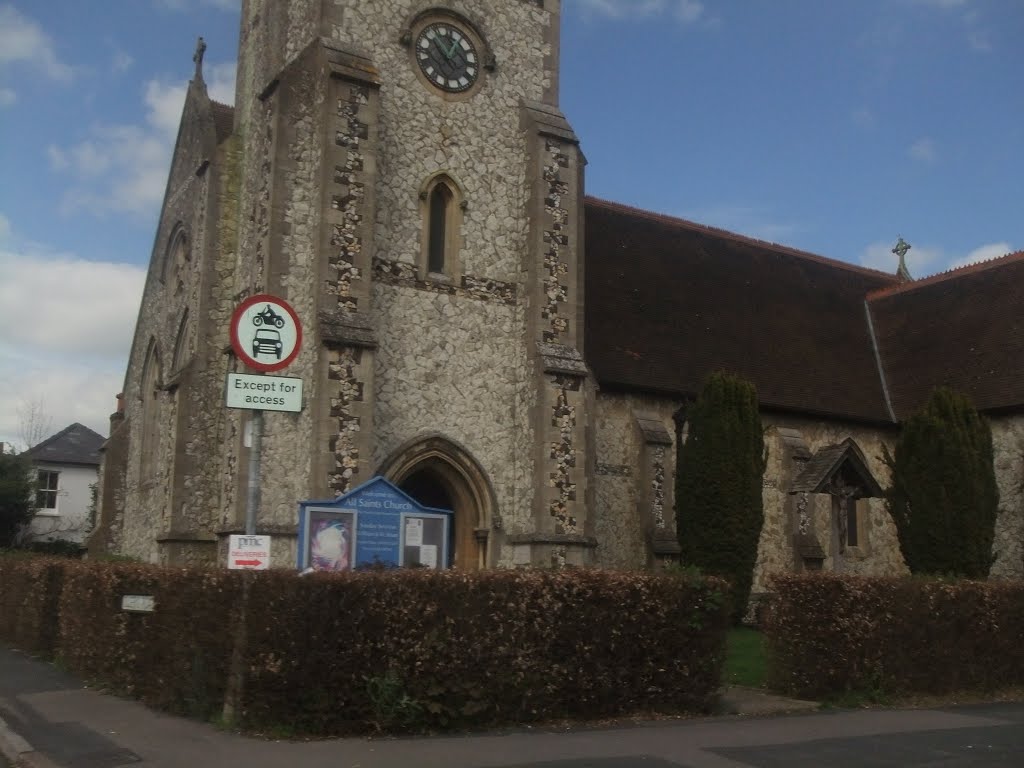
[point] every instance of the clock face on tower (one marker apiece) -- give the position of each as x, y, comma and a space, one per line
447, 57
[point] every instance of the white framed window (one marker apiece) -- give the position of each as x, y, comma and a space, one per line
47, 485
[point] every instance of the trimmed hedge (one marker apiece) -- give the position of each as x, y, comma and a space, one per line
828, 635
401, 650
439, 649
176, 658
30, 591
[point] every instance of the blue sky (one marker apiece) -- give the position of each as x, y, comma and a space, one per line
828, 126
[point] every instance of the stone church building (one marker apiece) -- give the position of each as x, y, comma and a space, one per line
484, 335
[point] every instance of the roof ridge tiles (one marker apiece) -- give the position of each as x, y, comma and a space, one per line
949, 274
693, 225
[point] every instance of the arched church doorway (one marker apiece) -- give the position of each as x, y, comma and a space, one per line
440, 473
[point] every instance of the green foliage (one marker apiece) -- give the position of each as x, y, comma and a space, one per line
719, 508
57, 548
393, 708
944, 498
745, 660
852, 639
17, 505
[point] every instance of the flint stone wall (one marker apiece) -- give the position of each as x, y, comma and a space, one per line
1008, 546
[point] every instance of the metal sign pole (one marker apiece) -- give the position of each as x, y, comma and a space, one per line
252, 501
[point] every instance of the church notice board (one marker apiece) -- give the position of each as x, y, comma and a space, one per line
374, 525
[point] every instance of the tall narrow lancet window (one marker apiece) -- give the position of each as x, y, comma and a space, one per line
149, 394
440, 207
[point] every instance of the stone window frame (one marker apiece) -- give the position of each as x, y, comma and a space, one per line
177, 242
860, 516
181, 357
45, 491
452, 267
149, 397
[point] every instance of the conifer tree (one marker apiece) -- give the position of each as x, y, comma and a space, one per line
16, 502
719, 508
944, 498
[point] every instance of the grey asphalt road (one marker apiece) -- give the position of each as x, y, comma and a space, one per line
75, 727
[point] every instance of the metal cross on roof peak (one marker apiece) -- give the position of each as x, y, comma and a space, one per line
901, 248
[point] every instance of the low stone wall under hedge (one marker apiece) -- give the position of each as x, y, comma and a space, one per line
828, 635
401, 650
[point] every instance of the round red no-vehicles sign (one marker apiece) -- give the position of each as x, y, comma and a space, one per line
265, 332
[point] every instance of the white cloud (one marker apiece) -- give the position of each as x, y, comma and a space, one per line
921, 260
923, 150
67, 348
5, 227
686, 11
23, 40
983, 253
927, 260
7, 97
123, 168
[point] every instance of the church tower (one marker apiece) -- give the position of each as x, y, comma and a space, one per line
409, 185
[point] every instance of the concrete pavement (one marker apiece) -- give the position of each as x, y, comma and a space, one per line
51, 720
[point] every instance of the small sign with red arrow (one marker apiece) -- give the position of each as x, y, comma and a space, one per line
249, 553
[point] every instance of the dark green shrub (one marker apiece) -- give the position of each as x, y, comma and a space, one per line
17, 489
944, 498
719, 507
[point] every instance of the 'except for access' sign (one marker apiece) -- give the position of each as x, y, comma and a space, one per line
264, 393
249, 553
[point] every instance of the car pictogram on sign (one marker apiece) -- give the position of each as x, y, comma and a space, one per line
267, 340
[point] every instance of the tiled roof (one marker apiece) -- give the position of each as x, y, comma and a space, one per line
75, 444
223, 119
821, 468
669, 301
963, 329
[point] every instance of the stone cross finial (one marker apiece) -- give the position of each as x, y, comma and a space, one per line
902, 246
197, 57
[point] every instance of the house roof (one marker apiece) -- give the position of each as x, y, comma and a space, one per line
669, 301
963, 329
75, 444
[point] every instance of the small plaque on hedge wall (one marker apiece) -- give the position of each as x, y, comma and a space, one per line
138, 603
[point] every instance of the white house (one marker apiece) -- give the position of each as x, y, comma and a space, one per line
66, 467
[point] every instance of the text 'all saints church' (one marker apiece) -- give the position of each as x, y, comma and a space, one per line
480, 333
